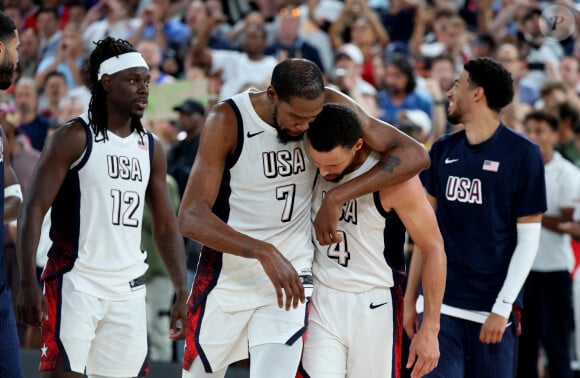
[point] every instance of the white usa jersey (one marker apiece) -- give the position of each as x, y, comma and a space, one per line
97, 215
371, 253
266, 193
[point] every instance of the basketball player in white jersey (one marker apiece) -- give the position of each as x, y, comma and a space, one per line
248, 201
355, 322
96, 173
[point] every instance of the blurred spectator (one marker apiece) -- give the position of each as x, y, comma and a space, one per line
569, 72
158, 22
360, 25
29, 52
542, 52
106, 18
77, 11
483, 45
346, 77
417, 118
524, 94
34, 126
236, 69
399, 18
47, 24
182, 154
547, 319
503, 24
54, 89
15, 13
197, 16
152, 55
70, 107
160, 293
440, 80
288, 43
552, 93
68, 60
430, 28
569, 119
399, 92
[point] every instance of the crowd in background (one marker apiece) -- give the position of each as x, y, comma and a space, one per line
396, 58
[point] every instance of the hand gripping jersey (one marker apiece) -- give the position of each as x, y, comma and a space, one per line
97, 216
371, 253
266, 193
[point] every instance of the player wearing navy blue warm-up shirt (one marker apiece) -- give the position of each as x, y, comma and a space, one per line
486, 183
10, 365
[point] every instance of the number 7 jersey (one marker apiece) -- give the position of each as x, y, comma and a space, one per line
266, 193
97, 216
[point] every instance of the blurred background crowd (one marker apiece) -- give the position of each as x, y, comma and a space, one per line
397, 58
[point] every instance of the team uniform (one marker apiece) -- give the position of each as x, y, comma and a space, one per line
547, 318
481, 190
10, 365
93, 280
266, 193
357, 281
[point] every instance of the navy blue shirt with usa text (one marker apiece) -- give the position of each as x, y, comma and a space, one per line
481, 190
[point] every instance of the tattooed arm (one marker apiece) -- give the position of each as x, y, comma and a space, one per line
402, 158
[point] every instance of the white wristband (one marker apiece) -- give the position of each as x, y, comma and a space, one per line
13, 191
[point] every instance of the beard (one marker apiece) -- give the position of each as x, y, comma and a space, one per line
454, 118
283, 135
6, 72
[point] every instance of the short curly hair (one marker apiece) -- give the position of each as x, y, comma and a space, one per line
496, 81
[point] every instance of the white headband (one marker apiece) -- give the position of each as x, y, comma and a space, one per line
120, 63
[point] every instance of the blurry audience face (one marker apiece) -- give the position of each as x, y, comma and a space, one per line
196, 15
362, 33
508, 55
151, 53
553, 98
29, 45
395, 80
455, 31
77, 13
190, 123
443, 71
569, 70
13, 11
289, 23
542, 134
9, 61
72, 39
255, 40
25, 99
47, 24
55, 88
70, 107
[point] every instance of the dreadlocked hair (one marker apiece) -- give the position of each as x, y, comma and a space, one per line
105, 49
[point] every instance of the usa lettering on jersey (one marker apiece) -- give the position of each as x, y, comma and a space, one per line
283, 163
124, 168
463, 189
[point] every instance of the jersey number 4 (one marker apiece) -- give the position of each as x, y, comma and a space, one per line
124, 206
339, 251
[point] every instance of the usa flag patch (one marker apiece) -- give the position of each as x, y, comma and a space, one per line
490, 165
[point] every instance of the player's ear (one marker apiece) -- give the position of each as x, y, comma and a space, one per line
106, 83
272, 95
358, 144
